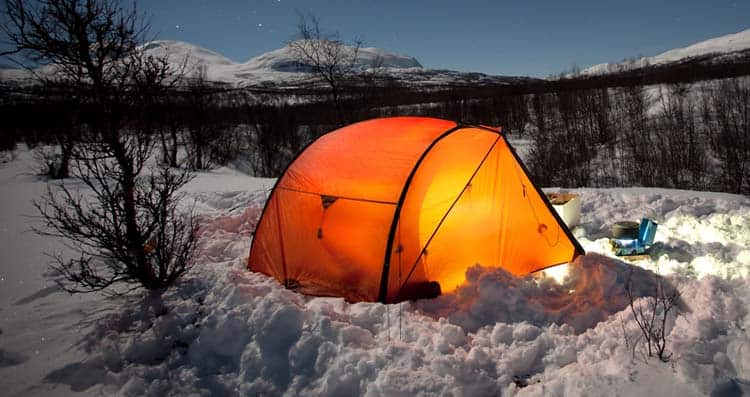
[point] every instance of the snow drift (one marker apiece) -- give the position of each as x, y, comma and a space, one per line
226, 331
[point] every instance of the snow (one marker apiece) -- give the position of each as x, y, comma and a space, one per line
719, 45
227, 331
180, 50
274, 67
278, 67
283, 59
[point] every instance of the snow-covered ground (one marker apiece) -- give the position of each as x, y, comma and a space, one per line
226, 331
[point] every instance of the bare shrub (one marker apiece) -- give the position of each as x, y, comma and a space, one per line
682, 148
126, 227
53, 161
543, 161
276, 138
726, 115
124, 234
512, 112
651, 314
565, 137
635, 148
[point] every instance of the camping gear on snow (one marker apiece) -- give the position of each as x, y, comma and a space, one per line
568, 206
399, 208
625, 230
626, 244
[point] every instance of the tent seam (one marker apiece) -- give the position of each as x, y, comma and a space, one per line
383, 292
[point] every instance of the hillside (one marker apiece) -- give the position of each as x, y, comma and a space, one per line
721, 48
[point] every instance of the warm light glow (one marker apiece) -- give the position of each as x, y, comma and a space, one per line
705, 265
451, 282
330, 218
558, 273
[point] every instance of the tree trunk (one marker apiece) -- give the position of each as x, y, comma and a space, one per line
135, 240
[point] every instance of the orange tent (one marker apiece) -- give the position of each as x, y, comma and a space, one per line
382, 208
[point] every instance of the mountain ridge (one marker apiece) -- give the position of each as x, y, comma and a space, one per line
721, 46
280, 68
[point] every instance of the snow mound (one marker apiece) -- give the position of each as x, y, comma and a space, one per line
231, 332
248, 336
593, 290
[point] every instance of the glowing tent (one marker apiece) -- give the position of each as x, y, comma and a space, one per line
374, 210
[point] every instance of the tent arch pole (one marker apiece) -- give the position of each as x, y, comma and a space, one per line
447, 212
276, 184
383, 293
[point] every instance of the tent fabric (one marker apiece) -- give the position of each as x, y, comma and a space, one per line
370, 210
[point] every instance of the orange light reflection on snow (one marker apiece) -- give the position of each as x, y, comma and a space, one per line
558, 273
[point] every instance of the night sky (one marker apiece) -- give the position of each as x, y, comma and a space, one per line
534, 38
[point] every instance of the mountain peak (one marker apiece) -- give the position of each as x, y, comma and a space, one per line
178, 51
276, 65
283, 59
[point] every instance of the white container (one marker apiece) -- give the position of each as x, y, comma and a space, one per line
568, 206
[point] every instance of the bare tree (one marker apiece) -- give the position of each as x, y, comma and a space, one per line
328, 57
651, 313
512, 112
170, 131
637, 149
276, 138
682, 163
726, 115
54, 157
126, 227
199, 133
544, 156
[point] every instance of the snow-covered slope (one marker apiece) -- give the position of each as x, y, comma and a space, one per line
723, 45
279, 67
229, 332
283, 60
180, 50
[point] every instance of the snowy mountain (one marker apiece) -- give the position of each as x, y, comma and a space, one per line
279, 68
283, 60
723, 46
178, 51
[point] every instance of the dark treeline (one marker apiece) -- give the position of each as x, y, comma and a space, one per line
684, 127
